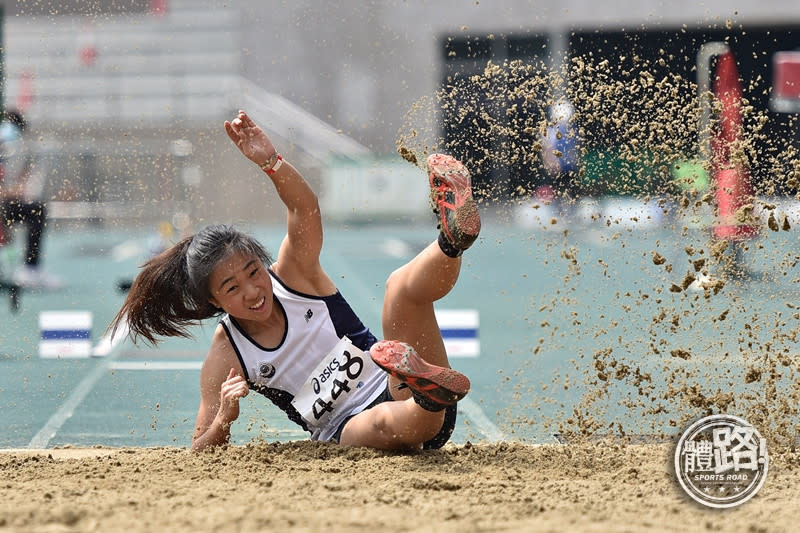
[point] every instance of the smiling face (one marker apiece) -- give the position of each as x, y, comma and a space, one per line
240, 285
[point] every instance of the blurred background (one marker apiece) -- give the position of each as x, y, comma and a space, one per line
126, 98
619, 150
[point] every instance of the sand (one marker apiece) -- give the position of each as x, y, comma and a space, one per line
308, 486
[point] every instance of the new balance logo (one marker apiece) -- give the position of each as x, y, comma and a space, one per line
266, 370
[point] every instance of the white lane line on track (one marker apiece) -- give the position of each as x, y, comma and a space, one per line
473, 411
467, 406
104, 347
78, 394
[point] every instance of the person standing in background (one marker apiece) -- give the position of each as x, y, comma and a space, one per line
561, 150
21, 190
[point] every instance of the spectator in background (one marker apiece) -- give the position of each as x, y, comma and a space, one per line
561, 150
21, 200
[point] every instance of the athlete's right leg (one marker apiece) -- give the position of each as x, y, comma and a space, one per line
411, 290
408, 312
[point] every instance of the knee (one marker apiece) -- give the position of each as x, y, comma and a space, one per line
392, 300
394, 284
381, 423
430, 425
426, 428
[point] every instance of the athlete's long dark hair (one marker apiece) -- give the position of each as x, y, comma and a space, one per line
171, 292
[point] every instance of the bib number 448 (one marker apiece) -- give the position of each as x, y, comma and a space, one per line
338, 387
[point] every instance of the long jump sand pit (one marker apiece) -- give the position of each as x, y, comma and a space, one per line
307, 486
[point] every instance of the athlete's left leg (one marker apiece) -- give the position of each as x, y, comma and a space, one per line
392, 425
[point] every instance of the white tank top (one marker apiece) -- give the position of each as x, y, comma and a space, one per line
321, 371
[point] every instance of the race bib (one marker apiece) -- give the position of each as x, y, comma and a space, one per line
332, 383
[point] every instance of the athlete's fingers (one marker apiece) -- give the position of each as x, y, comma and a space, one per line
229, 131
232, 396
235, 386
242, 390
230, 386
234, 133
235, 382
245, 118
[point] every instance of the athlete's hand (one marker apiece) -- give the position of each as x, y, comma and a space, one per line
232, 390
250, 138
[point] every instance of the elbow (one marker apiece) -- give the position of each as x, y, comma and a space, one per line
309, 207
313, 205
218, 434
207, 439
201, 445
198, 445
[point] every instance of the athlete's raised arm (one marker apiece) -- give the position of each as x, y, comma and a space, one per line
298, 257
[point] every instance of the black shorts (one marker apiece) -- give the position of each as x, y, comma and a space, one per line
439, 440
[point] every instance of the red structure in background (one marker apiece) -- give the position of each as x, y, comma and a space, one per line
786, 82
733, 187
87, 45
158, 8
25, 92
